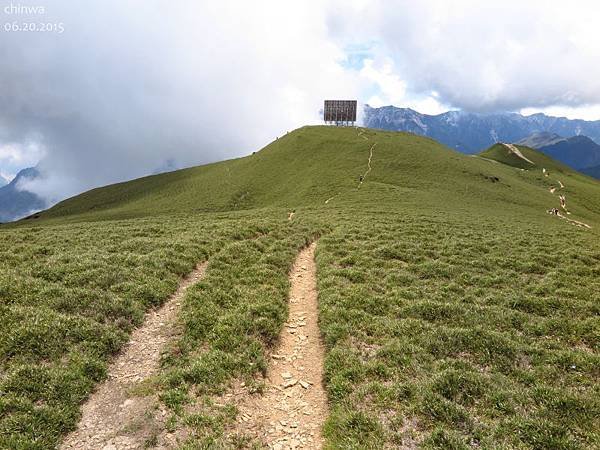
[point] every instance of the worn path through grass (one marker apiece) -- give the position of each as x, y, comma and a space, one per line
291, 412
113, 418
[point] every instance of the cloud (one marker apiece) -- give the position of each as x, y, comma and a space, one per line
390, 85
17, 155
491, 56
133, 86
392, 90
585, 112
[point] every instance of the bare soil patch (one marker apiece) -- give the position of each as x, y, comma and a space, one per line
518, 153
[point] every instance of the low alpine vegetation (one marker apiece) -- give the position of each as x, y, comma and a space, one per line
456, 313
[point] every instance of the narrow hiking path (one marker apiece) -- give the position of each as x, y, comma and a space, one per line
563, 204
291, 411
114, 418
485, 159
361, 134
362, 178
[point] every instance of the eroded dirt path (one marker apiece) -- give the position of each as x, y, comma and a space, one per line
563, 204
361, 134
512, 148
114, 417
362, 179
292, 409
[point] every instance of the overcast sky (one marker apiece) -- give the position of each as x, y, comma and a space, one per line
131, 87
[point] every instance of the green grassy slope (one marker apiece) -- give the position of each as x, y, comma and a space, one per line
578, 187
503, 154
455, 311
306, 167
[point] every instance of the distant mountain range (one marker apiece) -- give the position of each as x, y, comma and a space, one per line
15, 203
470, 132
579, 152
539, 140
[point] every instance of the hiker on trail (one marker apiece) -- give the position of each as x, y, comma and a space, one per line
361, 178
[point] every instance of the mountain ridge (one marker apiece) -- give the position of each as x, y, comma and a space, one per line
540, 139
473, 132
579, 152
16, 203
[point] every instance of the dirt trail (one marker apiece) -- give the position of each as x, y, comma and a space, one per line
113, 418
518, 153
574, 222
292, 409
361, 133
485, 159
362, 179
563, 204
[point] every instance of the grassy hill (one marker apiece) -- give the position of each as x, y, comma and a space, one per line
455, 311
306, 167
577, 187
303, 168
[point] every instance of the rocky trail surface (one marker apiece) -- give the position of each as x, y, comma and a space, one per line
563, 204
291, 411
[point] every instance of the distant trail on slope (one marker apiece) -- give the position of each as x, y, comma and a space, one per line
361, 133
368, 165
563, 204
574, 222
517, 152
485, 159
112, 417
291, 411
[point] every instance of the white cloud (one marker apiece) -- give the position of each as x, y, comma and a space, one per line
487, 56
6, 178
591, 112
391, 87
131, 85
15, 156
16, 153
